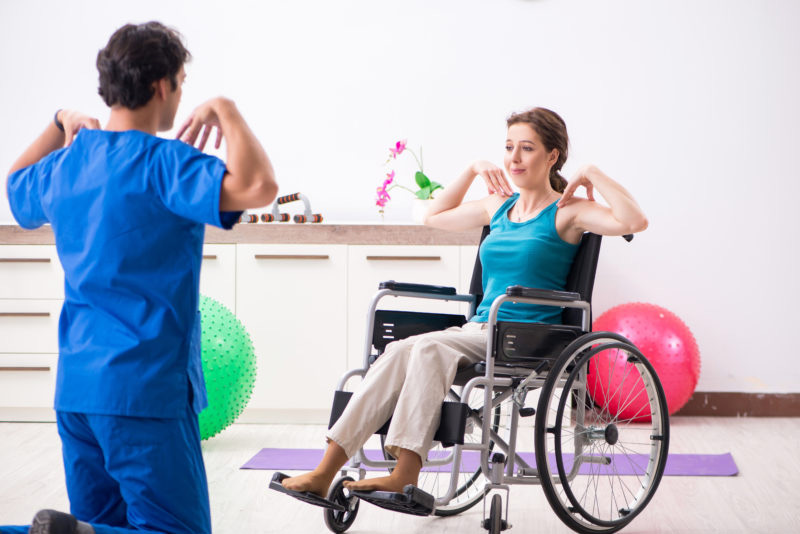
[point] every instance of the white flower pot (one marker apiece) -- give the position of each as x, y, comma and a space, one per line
419, 209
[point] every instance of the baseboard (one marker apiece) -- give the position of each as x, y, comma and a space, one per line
735, 404
27, 415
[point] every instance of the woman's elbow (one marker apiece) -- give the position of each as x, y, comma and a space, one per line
432, 220
640, 225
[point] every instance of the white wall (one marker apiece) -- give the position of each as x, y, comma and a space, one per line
692, 105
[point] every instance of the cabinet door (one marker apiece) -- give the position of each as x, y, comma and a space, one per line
293, 301
218, 274
29, 326
30, 272
371, 264
27, 380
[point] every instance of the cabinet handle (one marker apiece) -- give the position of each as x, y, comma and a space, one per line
292, 257
24, 314
24, 368
402, 258
24, 260
209, 256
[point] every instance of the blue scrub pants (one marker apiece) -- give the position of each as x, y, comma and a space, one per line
128, 474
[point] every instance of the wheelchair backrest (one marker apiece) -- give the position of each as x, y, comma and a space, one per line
579, 280
581, 275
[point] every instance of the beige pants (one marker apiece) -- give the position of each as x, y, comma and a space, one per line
409, 382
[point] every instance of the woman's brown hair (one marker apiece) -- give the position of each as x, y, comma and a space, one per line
552, 130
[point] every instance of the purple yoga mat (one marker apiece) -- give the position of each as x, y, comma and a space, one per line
677, 464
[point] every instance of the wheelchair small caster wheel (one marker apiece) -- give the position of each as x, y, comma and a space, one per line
335, 520
495, 523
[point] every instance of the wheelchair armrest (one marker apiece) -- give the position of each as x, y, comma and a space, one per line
548, 294
417, 288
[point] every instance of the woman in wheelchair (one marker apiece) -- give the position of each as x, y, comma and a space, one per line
533, 239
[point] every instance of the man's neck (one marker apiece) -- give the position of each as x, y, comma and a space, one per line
143, 119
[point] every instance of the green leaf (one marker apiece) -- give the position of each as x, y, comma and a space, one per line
422, 180
424, 193
435, 186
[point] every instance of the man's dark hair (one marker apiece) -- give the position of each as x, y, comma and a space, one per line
134, 58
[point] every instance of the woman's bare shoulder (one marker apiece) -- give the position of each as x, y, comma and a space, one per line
493, 203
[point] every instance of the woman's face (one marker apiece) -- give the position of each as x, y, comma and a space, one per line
527, 161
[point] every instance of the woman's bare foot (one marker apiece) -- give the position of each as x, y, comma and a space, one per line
313, 482
405, 472
319, 480
390, 483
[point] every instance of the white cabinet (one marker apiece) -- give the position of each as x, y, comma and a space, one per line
27, 382
30, 272
371, 264
29, 325
218, 274
31, 295
293, 301
304, 306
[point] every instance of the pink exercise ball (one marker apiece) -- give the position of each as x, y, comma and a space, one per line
664, 340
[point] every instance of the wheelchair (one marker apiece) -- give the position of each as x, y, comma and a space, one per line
599, 465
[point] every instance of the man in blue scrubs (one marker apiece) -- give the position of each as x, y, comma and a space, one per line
128, 211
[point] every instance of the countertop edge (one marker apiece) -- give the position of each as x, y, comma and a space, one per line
290, 233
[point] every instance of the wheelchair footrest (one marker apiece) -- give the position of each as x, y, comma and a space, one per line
305, 496
411, 500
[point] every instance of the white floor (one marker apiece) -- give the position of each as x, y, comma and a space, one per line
763, 498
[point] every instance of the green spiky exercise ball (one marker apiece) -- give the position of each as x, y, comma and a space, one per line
229, 366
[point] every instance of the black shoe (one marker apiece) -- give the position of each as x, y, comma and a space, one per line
53, 522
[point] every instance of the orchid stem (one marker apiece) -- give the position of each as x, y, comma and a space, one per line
401, 187
418, 159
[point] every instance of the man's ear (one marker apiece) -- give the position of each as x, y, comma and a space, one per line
160, 87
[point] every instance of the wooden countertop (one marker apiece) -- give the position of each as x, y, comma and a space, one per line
290, 233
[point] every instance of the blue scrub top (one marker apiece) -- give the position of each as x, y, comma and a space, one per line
128, 211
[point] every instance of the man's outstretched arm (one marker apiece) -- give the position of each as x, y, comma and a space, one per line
53, 138
250, 180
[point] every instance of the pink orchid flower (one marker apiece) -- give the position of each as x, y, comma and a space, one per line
398, 149
383, 195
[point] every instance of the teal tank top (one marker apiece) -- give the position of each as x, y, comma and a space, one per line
530, 254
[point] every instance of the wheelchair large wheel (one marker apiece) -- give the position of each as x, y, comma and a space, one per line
471, 486
599, 470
